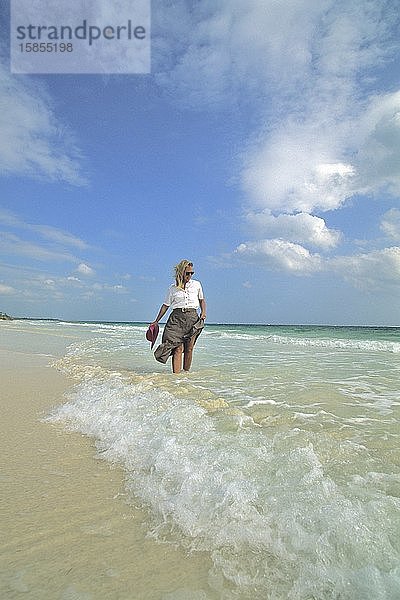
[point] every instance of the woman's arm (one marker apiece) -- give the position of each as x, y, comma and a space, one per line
161, 313
202, 303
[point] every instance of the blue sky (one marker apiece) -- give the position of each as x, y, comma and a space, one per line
264, 145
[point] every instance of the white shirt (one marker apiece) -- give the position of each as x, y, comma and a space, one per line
187, 298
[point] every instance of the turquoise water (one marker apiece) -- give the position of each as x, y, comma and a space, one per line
278, 455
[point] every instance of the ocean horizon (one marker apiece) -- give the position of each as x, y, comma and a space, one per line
214, 323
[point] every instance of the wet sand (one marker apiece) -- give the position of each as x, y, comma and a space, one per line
67, 529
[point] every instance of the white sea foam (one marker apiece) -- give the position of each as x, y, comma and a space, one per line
346, 344
103, 326
311, 342
232, 335
277, 514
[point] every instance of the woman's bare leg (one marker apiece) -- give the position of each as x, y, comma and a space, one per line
177, 359
187, 361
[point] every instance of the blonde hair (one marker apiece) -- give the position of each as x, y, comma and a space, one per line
180, 269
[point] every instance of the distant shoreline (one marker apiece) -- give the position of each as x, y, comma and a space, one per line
5, 317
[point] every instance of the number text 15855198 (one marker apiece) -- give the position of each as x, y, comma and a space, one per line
46, 47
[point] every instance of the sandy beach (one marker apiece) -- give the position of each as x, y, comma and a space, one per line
67, 529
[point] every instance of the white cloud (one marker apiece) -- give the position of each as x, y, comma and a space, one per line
38, 287
378, 158
110, 288
390, 223
6, 289
89, 295
11, 244
301, 165
331, 144
53, 234
210, 52
59, 236
306, 69
7, 217
33, 141
147, 278
297, 169
377, 270
301, 228
280, 255
85, 270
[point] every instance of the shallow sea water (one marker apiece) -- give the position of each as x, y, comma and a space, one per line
277, 458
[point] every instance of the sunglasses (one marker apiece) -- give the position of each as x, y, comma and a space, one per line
189, 272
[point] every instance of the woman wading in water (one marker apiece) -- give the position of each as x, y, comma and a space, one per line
184, 325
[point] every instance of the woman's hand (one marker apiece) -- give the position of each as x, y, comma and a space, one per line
203, 309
